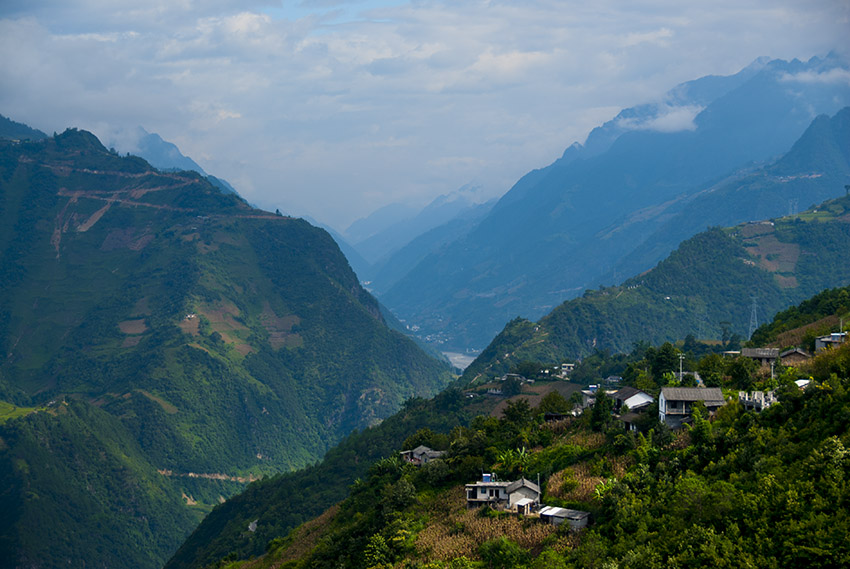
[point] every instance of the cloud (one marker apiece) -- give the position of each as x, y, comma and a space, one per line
339, 107
834, 76
667, 118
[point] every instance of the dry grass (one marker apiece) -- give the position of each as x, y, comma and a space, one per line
166, 406
578, 482
455, 530
305, 538
586, 439
795, 337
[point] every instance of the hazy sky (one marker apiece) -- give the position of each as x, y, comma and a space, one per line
335, 108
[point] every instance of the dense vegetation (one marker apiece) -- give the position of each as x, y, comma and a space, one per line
704, 288
222, 340
281, 503
817, 315
740, 488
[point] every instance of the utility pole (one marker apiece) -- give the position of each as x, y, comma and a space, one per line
681, 360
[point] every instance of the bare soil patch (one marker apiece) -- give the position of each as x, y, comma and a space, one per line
280, 328
776, 256
133, 326
131, 341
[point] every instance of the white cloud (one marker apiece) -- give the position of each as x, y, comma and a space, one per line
835, 75
666, 119
338, 108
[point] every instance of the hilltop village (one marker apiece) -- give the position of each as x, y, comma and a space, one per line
631, 408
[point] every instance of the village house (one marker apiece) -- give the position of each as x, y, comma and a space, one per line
631, 397
487, 491
832, 341
421, 455
794, 356
764, 356
521, 496
556, 516
675, 403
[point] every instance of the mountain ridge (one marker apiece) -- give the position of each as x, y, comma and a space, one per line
212, 337
544, 240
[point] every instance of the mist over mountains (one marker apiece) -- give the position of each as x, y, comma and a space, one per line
165, 343
641, 183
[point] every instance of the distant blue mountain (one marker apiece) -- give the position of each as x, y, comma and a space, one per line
392, 227
564, 227
165, 156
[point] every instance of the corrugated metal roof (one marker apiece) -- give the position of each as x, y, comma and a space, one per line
712, 394
760, 352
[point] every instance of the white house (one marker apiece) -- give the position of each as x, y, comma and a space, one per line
631, 397
523, 496
487, 491
757, 400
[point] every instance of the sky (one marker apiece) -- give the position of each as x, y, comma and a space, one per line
334, 108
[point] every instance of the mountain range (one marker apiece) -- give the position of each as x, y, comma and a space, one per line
616, 205
730, 278
164, 343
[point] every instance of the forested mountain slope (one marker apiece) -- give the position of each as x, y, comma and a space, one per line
564, 227
707, 284
758, 489
185, 332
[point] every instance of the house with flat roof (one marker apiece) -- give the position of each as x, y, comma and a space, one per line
675, 403
488, 490
832, 341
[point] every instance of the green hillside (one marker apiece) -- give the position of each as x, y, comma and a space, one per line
224, 341
748, 489
705, 288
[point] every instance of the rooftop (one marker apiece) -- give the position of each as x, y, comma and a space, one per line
708, 394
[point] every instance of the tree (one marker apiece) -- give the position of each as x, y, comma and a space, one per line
518, 412
600, 416
711, 368
663, 359
527, 369
511, 387
554, 402
502, 553
741, 371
